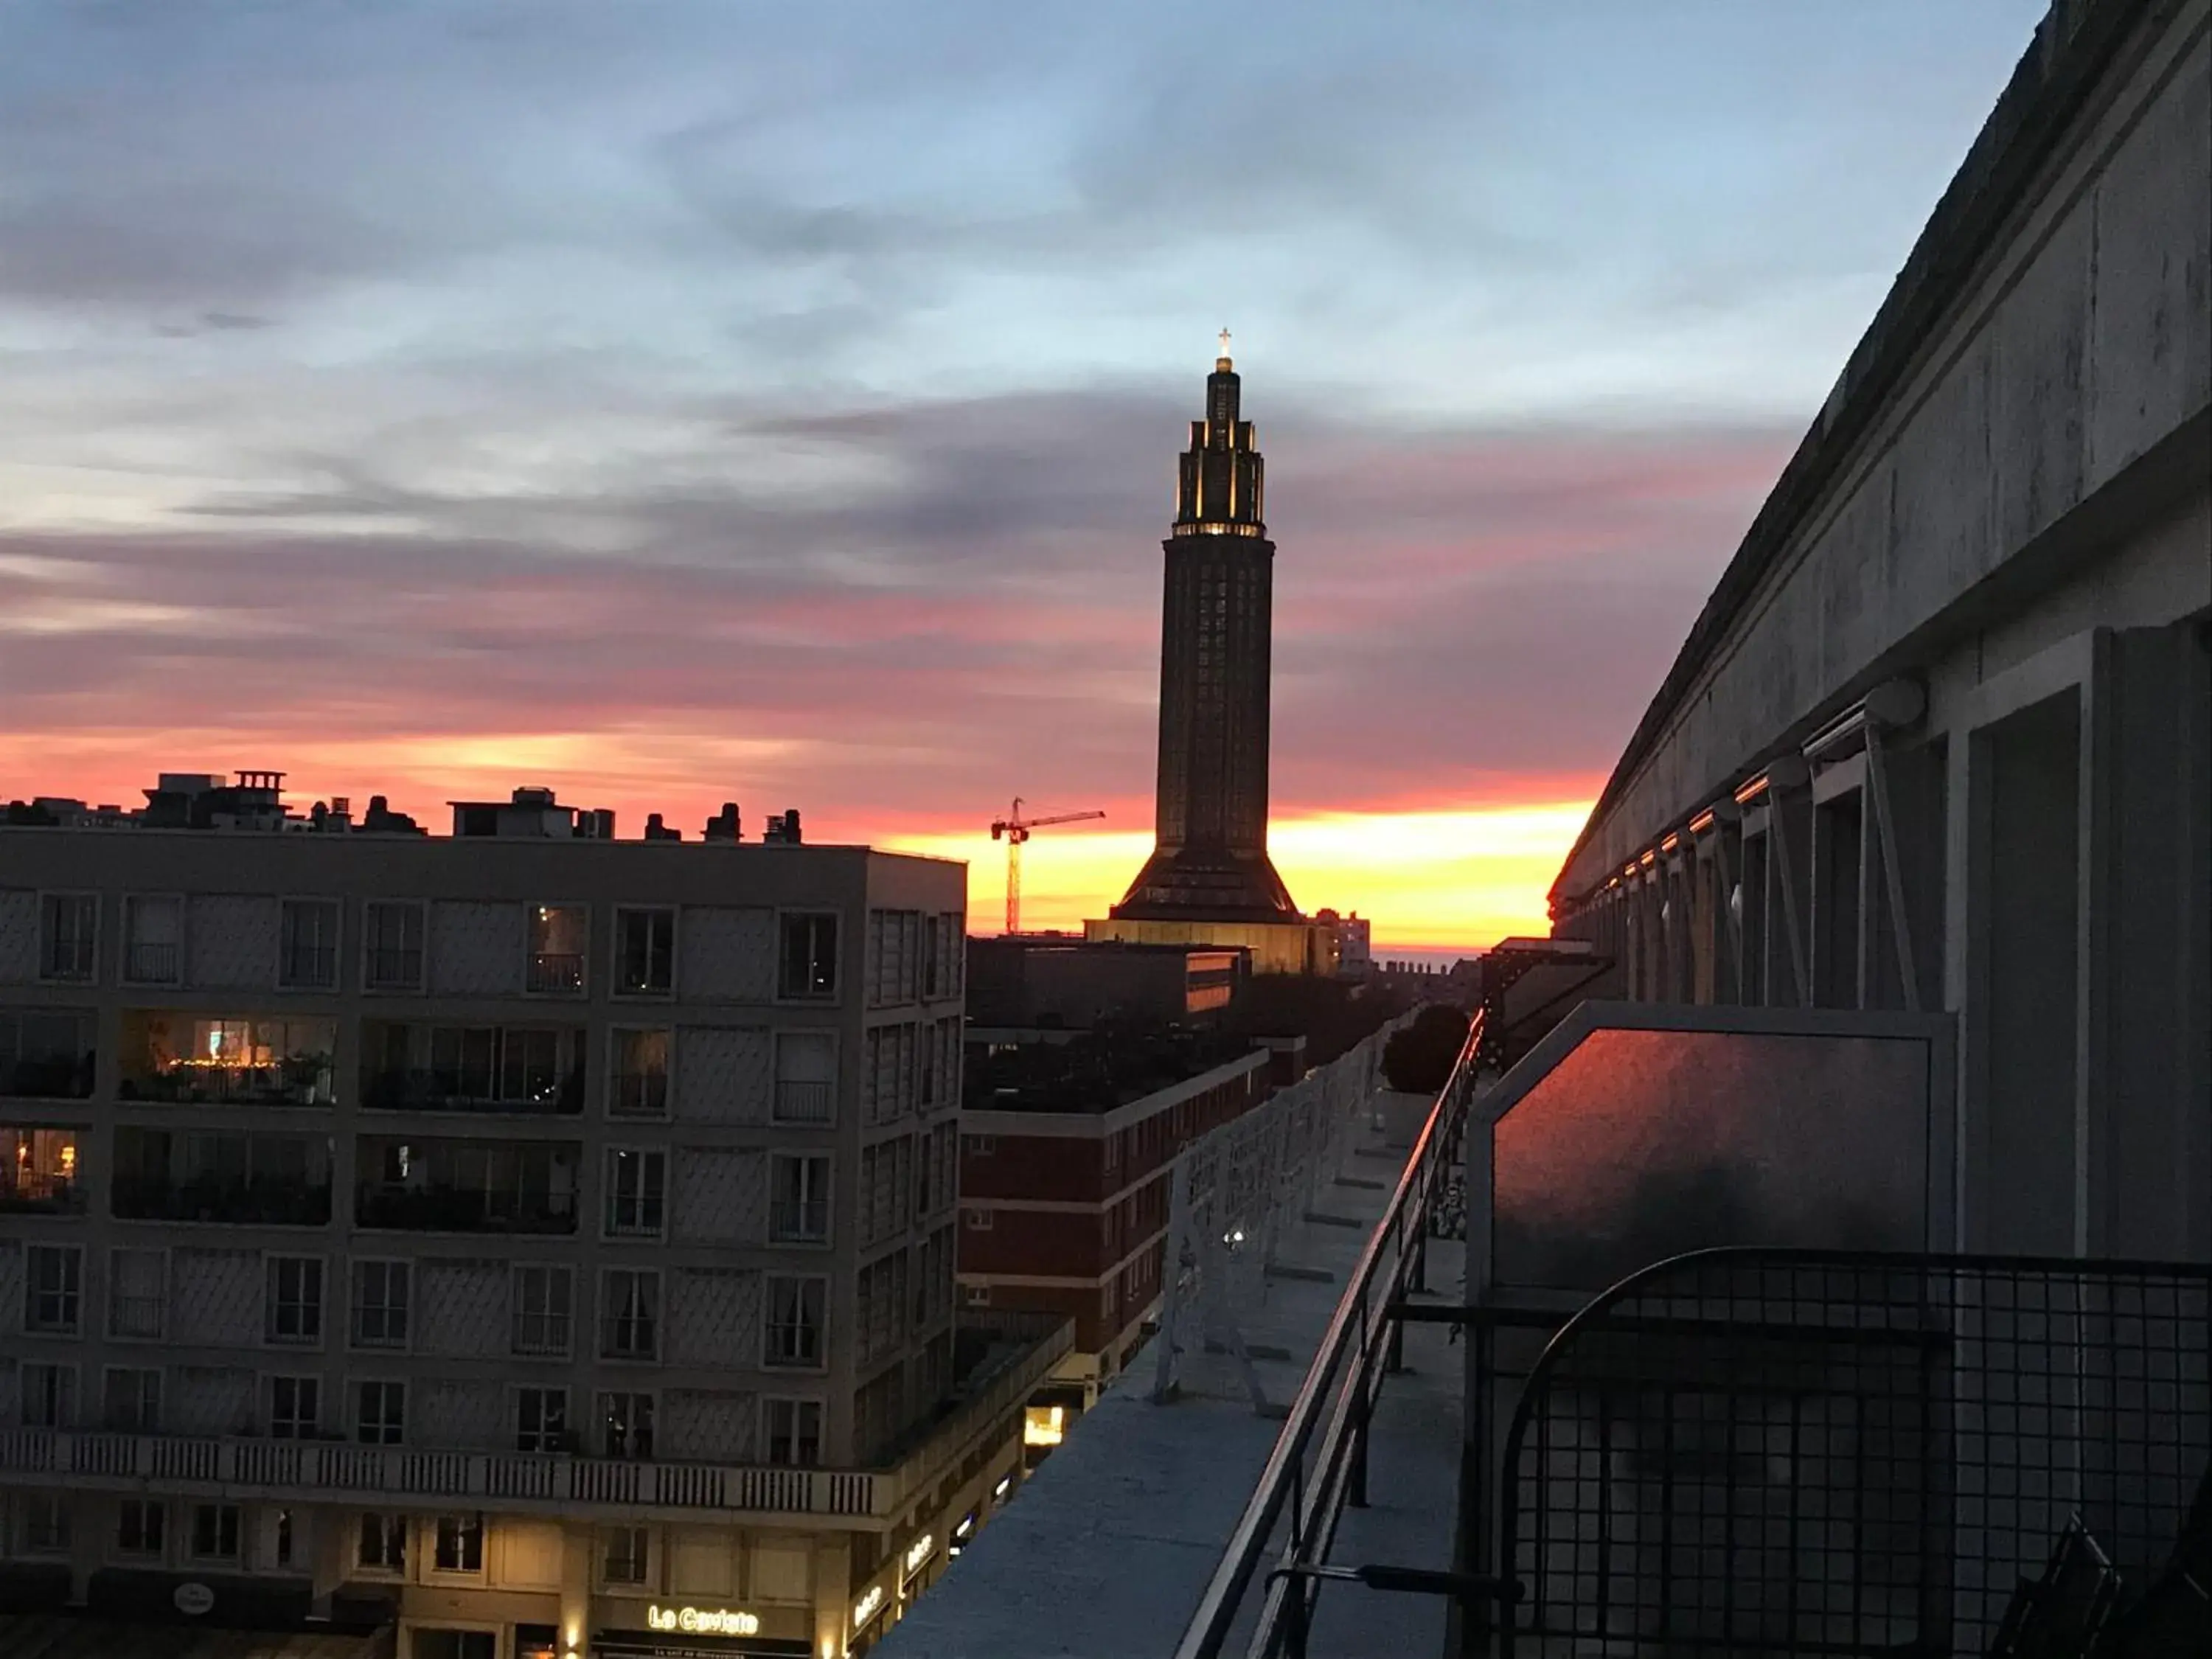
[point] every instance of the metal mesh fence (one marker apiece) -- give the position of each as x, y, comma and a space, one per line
1820, 1453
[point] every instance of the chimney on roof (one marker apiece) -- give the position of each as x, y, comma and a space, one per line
656, 830
723, 826
783, 828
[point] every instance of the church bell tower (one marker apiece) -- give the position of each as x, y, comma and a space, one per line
1210, 860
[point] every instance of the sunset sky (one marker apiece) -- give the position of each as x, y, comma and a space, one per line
675, 403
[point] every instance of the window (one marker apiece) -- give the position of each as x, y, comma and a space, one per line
379, 1413
280, 1538
383, 1546
541, 1420
47, 1053
621, 1555
295, 1407
393, 945
53, 1289
153, 930
68, 927
636, 1181
1109, 1154
214, 1532
137, 1292
975, 1296
48, 1395
557, 932
645, 952
805, 1077
138, 1527
640, 1079
809, 955
460, 1544
542, 1297
626, 1425
798, 1197
981, 1221
794, 1432
379, 1305
307, 944
794, 1321
295, 1299
132, 1401
629, 1327
981, 1146
45, 1524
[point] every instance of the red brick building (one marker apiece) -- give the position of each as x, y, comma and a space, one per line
1064, 1177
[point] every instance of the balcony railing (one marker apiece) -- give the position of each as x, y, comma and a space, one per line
462, 1210
35, 1194
799, 1221
302, 1080
804, 1102
640, 1094
414, 1089
150, 963
265, 1200
308, 968
555, 973
48, 1076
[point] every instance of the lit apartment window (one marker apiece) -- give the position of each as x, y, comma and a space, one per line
626, 1425
295, 1407
621, 1555
541, 1420
153, 935
138, 1527
460, 1544
132, 1401
379, 1413
795, 1317
798, 1197
69, 928
45, 1524
295, 1299
794, 1432
645, 952
542, 1297
393, 945
641, 1076
630, 1321
214, 1532
307, 944
48, 1395
383, 1544
53, 1289
379, 1305
637, 1186
808, 956
557, 934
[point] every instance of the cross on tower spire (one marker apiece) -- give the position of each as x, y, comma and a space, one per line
1225, 345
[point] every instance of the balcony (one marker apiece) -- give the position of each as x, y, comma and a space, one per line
408, 1089
544, 1484
46, 1055
804, 1102
150, 963
639, 1094
799, 1221
242, 1061
463, 1210
268, 1202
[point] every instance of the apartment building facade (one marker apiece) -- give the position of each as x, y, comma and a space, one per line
544, 1241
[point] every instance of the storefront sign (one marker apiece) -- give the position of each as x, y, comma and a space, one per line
703, 1621
868, 1605
919, 1552
193, 1600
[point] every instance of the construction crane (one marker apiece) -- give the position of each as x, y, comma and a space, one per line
1014, 829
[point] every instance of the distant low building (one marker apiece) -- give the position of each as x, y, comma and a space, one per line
1355, 948
1025, 980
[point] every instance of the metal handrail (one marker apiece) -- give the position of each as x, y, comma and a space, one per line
1362, 1314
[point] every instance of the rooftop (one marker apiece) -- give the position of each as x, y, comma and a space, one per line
1092, 1071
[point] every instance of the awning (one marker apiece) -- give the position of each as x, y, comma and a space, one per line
64, 1636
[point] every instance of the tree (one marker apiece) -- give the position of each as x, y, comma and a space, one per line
1418, 1060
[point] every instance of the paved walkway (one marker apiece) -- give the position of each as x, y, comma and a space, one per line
1105, 1550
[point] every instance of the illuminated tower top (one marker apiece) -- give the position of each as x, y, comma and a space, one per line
1221, 481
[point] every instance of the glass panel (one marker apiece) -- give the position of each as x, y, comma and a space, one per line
1641, 1144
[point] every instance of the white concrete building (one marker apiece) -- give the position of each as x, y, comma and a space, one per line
543, 1239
